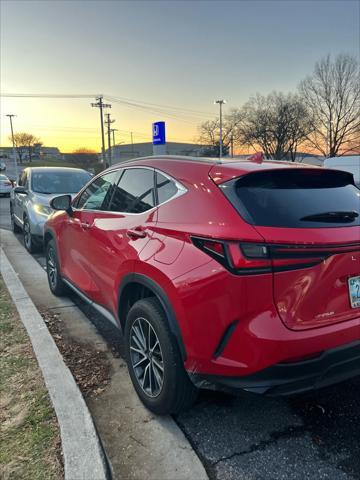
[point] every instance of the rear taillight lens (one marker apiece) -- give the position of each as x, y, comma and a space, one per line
255, 258
239, 258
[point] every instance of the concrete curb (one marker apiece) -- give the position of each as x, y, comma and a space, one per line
83, 455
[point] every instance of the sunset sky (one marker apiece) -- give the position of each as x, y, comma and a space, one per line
169, 58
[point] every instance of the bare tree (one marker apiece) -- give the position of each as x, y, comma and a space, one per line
332, 95
25, 143
277, 124
209, 133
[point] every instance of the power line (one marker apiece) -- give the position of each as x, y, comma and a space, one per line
160, 108
48, 95
154, 107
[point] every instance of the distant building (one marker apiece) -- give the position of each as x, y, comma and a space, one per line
39, 153
121, 153
50, 153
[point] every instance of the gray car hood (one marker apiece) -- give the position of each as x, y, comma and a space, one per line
45, 199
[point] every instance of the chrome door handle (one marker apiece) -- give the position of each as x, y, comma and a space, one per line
85, 225
136, 233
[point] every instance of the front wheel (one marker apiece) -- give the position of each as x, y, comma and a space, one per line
56, 284
14, 226
29, 240
154, 361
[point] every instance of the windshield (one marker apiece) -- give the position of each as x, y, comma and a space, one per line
58, 181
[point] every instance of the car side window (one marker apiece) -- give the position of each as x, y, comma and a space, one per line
98, 194
135, 191
165, 187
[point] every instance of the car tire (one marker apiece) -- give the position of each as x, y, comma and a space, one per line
154, 361
30, 242
14, 226
56, 283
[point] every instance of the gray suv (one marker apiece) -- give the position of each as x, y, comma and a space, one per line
30, 200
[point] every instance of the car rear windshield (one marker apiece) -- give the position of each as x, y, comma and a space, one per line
297, 198
58, 181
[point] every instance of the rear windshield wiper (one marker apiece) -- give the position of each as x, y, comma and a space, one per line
331, 217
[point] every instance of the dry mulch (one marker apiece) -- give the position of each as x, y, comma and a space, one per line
90, 367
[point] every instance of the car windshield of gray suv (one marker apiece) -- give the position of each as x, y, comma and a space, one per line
58, 182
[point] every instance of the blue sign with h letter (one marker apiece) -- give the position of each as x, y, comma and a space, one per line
159, 133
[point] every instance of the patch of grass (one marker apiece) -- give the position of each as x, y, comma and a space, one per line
29, 435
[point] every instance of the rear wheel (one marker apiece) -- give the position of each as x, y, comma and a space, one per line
154, 361
56, 284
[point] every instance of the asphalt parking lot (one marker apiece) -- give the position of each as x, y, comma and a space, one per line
250, 437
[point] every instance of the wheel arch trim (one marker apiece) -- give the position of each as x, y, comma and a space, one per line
161, 295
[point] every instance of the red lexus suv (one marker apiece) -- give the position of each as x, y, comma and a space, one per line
236, 275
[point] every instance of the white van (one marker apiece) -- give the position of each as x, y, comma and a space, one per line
349, 163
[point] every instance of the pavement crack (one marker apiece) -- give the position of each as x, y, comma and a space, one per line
294, 431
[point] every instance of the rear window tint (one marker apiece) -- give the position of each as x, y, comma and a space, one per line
297, 198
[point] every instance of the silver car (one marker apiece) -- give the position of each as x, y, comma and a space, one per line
5, 185
30, 200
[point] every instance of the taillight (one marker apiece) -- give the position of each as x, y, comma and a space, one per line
245, 258
239, 258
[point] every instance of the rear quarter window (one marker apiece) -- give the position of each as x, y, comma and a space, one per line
296, 198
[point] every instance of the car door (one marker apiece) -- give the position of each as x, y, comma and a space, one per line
76, 236
120, 232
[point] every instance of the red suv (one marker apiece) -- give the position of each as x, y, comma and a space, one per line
238, 275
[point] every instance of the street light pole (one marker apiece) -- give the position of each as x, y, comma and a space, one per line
13, 144
221, 103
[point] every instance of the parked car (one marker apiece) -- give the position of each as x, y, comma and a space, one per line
236, 275
30, 200
350, 163
5, 185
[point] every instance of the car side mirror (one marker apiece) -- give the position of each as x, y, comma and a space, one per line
62, 202
20, 190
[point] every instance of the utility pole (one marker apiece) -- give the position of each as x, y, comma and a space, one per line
221, 103
13, 144
232, 145
113, 130
132, 143
108, 123
99, 104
